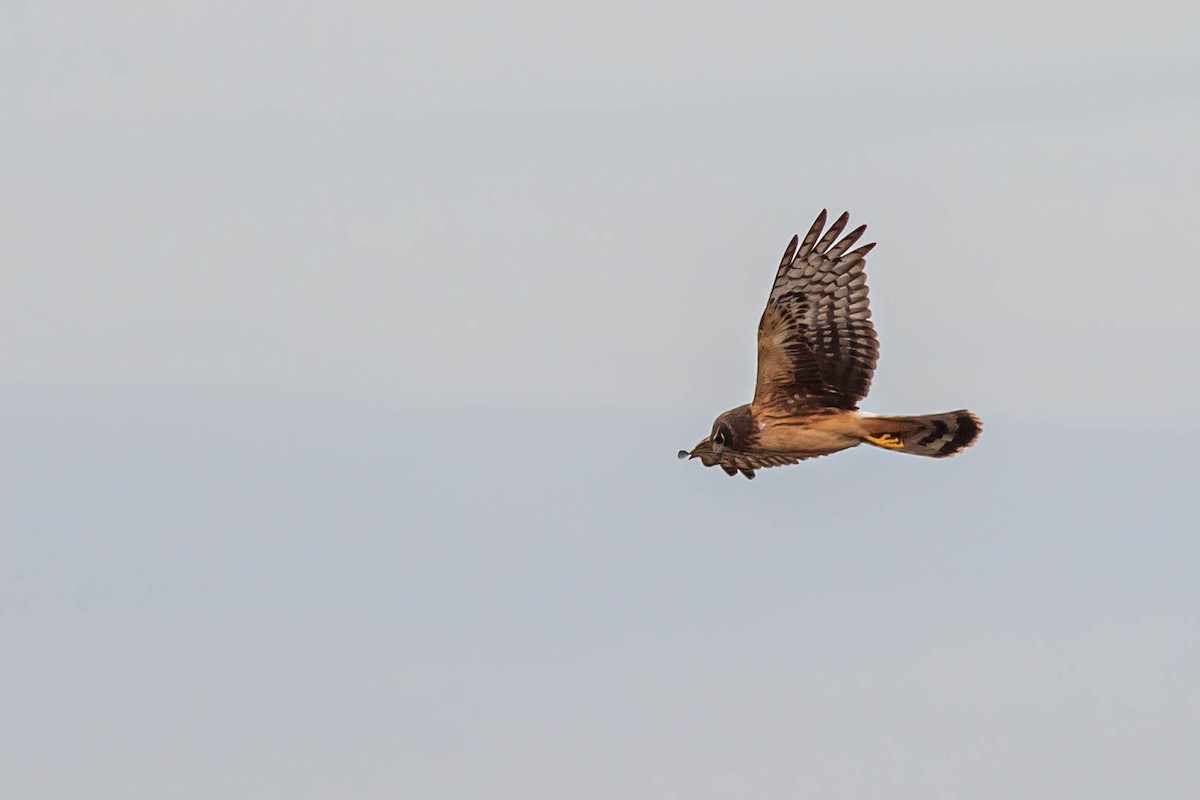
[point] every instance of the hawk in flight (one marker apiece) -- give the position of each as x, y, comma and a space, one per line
817, 351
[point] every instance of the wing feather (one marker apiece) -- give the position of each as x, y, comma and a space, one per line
734, 461
816, 344
810, 239
831, 235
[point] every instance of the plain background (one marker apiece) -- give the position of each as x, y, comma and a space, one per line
345, 350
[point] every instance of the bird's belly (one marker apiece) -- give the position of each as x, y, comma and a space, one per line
813, 436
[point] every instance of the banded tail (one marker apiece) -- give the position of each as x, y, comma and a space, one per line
933, 435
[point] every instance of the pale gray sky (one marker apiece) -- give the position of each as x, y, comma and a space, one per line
345, 352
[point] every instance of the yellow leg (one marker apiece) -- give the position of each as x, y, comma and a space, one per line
886, 440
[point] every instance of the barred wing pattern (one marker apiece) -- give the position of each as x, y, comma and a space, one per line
733, 461
816, 345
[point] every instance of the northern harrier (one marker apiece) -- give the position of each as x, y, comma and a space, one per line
816, 354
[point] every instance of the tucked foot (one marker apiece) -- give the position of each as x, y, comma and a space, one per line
886, 440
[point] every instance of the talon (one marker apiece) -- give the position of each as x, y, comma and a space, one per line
886, 440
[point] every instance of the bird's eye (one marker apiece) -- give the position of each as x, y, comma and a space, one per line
719, 439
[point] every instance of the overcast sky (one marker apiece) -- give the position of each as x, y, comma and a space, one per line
345, 352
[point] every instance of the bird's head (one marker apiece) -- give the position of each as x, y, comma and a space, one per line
721, 437
734, 429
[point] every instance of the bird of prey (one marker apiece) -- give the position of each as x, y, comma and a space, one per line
817, 351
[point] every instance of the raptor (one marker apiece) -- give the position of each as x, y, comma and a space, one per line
817, 351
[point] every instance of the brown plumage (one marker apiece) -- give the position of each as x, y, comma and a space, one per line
817, 352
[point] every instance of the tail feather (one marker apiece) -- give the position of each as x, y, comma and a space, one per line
933, 435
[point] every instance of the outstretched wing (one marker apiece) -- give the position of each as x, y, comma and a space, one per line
816, 344
733, 461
